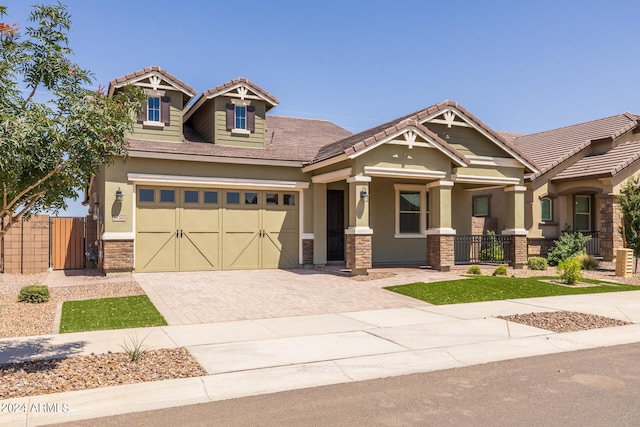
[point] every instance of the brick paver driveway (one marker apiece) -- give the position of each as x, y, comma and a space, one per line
218, 296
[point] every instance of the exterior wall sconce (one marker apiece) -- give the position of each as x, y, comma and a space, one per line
364, 195
119, 195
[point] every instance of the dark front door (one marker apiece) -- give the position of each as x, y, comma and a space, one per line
335, 225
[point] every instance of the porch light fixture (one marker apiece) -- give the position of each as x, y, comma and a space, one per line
364, 195
119, 195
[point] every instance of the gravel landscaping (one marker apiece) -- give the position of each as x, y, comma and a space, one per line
95, 371
564, 321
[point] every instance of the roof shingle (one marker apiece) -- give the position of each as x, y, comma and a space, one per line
602, 164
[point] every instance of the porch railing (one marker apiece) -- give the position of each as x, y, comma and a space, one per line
592, 246
481, 249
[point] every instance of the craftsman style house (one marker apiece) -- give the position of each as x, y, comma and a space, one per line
219, 183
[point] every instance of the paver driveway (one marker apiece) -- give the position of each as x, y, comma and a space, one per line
218, 296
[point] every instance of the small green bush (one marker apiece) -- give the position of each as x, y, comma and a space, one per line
570, 270
500, 270
474, 269
570, 244
34, 294
537, 263
589, 262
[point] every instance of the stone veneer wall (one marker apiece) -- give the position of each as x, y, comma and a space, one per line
117, 255
307, 251
520, 249
358, 253
610, 222
440, 251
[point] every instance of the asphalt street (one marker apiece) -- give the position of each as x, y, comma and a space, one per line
597, 387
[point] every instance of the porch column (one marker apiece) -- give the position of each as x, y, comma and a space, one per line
358, 235
515, 225
319, 224
440, 234
610, 223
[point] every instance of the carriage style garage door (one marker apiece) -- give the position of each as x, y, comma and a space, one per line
182, 229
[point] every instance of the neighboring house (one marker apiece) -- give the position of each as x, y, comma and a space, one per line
218, 183
582, 170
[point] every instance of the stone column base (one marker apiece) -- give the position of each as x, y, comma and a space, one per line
440, 254
117, 256
358, 253
307, 252
519, 249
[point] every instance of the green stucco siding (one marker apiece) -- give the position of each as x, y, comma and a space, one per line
467, 140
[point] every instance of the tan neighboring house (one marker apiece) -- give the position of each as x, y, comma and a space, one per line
219, 183
581, 171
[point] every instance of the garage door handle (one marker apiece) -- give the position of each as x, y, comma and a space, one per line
181, 234
177, 233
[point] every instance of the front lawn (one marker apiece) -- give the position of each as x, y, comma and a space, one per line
491, 288
109, 313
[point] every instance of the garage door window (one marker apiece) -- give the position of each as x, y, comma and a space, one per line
250, 198
211, 197
167, 196
190, 196
289, 199
272, 198
233, 198
146, 195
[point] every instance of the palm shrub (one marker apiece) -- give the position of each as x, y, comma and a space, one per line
501, 270
570, 244
588, 262
474, 269
570, 270
537, 263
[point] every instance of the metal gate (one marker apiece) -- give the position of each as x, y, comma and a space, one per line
67, 243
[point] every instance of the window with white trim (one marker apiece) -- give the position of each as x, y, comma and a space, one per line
582, 213
153, 109
412, 210
241, 117
546, 209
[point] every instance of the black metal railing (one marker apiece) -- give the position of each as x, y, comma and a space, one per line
481, 249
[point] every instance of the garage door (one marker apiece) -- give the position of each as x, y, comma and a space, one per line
192, 229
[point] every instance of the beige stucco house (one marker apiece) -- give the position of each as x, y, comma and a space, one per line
217, 182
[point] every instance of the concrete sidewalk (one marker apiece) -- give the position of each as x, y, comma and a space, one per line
250, 357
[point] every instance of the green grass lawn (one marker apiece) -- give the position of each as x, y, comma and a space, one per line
490, 288
109, 313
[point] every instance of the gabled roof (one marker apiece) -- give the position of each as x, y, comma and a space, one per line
240, 85
602, 165
153, 71
287, 139
362, 140
550, 148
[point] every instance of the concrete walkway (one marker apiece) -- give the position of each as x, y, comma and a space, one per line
259, 356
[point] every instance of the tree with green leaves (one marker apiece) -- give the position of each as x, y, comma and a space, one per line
629, 200
51, 145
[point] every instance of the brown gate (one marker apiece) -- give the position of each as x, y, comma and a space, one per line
67, 243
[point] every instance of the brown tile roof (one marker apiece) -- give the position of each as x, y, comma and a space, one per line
550, 148
509, 136
223, 87
289, 139
147, 70
363, 139
604, 164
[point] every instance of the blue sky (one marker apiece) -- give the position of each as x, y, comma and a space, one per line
519, 66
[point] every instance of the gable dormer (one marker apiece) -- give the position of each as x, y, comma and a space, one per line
232, 114
160, 117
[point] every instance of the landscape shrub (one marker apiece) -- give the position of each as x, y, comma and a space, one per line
570, 270
500, 270
537, 263
34, 294
570, 244
494, 250
588, 262
474, 269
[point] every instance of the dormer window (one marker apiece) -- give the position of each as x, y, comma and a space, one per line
241, 117
156, 112
153, 109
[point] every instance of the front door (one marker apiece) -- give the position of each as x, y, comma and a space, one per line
335, 225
